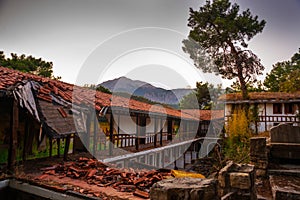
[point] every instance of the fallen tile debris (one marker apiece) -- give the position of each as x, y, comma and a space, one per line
97, 173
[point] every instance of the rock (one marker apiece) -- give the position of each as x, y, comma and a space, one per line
285, 133
240, 180
237, 181
261, 172
222, 173
184, 188
258, 147
285, 187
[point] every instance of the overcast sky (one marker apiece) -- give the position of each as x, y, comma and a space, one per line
71, 33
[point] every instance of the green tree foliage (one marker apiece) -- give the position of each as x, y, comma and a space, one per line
285, 76
103, 89
252, 86
28, 64
202, 98
189, 101
219, 30
98, 88
292, 84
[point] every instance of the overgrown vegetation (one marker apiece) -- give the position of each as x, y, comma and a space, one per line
237, 142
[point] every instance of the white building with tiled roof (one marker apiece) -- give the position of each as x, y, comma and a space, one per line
273, 107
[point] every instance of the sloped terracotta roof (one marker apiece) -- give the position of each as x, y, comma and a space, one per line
262, 96
82, 96
205, 115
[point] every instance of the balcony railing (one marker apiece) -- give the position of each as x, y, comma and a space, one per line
278, 118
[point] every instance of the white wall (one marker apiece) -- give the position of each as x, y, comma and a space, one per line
268, 110
127, 124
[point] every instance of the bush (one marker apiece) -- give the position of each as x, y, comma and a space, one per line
237, 143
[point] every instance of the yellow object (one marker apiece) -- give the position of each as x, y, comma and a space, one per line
181, 174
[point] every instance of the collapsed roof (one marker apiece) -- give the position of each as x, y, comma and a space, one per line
53, 102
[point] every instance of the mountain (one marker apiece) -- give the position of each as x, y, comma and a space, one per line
146, 90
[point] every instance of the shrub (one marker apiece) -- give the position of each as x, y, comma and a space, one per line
237, 142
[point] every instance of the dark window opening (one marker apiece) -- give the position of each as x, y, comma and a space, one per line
288, 108
277, 108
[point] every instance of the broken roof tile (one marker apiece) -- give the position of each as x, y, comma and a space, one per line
80, 95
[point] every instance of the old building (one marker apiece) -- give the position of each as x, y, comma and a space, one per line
44, 117
272, 107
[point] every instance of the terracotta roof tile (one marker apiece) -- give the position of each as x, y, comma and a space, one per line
205, 114
260, 96
80, 95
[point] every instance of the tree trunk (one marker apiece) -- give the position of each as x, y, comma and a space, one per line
243, 84
240, 71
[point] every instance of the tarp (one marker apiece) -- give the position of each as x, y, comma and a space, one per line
24, 95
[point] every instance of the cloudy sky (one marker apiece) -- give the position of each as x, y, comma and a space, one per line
137, 38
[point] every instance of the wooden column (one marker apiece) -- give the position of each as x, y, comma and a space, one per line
155, 132
51, 147
142, 127
265, 106
119, 139
118, 124
137, 132
170, 127
13, 136
26, 132
161, 132
95, 143
73, 136
58, 147
88, 132
67, 145
111, 132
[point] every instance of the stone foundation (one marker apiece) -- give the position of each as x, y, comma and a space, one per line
237, 181
234, 181
259, 155
184, 188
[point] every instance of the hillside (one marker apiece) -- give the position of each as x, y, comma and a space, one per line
146, 90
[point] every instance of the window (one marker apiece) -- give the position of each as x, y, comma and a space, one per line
277, 108
288, 108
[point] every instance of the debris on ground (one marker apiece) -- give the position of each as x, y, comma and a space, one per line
97, 173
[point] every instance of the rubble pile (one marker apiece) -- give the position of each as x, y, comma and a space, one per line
97, 173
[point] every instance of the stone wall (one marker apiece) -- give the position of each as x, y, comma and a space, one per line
285, 142
237, 181
285, 133
234, 181
259, 155
184, 188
